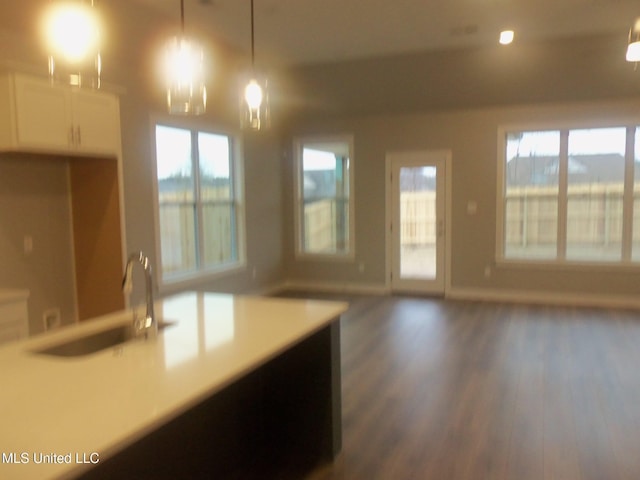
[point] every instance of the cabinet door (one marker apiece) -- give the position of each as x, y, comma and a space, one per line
13, 321
96, 122
43, 115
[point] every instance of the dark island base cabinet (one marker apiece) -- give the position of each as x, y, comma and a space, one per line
279, 421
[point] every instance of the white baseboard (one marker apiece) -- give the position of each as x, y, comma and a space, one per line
267, 290
465, 293
336, 287
546, 298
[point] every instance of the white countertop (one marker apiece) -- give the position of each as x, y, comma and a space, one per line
93, 406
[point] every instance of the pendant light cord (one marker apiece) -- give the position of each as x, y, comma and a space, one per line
182, 16
253, 47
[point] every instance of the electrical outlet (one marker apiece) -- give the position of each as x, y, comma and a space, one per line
487, 271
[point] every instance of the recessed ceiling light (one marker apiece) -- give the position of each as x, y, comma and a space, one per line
506, 37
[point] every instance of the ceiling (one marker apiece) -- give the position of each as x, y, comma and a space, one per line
317, 31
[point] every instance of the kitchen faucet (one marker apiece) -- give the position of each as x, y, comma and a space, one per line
146, 327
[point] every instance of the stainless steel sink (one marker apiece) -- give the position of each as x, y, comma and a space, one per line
94, 342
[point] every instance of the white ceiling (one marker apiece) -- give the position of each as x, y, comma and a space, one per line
312, 31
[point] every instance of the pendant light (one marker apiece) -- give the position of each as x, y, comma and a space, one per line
633, 48
254, 97
72, 36
186, 91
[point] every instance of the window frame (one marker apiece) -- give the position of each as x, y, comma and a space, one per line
201, 273
298, 198
626, 262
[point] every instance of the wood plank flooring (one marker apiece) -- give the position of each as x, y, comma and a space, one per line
452, 390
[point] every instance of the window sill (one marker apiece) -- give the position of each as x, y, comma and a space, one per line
568, 265
198, 279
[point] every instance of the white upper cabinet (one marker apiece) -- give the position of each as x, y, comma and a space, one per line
40, 117
96, 118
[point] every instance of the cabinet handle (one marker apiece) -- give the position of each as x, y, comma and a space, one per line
72, 139
79, 137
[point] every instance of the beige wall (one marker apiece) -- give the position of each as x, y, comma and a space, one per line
454, 100
35, 202
140, 37
134, 36
431, 101
546, 72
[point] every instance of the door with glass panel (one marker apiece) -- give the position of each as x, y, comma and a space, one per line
417, 222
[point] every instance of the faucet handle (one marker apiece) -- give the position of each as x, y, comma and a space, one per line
127, 285
139, 323
127, 281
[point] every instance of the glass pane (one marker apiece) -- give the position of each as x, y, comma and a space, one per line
594, 193
219, 232
322, 177
174, 165
215, 167
325, 191
635, 248
418, 228
531, 194
177, 238
326, 226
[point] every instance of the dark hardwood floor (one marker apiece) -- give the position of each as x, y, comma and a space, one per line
453, 390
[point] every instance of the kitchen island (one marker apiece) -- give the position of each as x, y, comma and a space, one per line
237, 387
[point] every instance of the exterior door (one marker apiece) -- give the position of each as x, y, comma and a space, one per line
417, 221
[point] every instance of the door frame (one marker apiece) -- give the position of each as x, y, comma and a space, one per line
446, 155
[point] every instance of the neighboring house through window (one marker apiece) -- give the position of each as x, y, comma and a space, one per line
324, 197
570, 195
199, 206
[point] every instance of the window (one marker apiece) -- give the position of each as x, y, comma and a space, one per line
570, 195
595, 185
324, 199
198, 202
531, 194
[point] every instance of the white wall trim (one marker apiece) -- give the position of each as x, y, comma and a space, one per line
298, 145
468, 293
267, 290
336, 287
545, 298
237, 161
